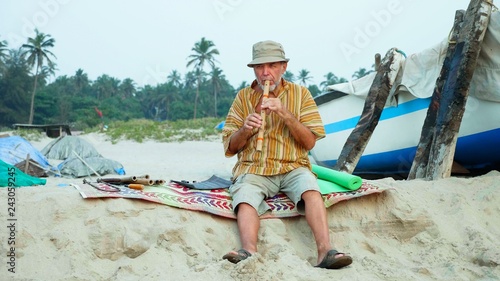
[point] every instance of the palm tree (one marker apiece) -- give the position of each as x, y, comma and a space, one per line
216, 78
81, 80
3, 53
170, 94
127, 88
45, 72
315, 91
204, 52
105, 87
288, 75
303, 77
156, 100
244, 84
175, 78
16, 59
189, 80
331, 79
361, 73
37, 51
15, 88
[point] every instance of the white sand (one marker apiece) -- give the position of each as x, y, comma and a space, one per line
441, 230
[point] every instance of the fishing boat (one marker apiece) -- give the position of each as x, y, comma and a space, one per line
393, 144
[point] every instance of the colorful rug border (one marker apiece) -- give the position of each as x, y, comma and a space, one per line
217, 201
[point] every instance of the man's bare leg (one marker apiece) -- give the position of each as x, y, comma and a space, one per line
248, 227
316, 218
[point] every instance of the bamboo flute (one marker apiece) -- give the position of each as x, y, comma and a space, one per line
260, 137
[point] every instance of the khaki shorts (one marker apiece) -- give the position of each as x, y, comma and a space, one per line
254, 189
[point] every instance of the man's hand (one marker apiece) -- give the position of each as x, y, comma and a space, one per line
300, 133
240, 137
272, 105
252, 121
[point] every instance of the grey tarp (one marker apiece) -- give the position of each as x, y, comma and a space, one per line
80, 157
62, 148
75, 167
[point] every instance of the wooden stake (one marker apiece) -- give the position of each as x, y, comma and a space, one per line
27, 164
374, 104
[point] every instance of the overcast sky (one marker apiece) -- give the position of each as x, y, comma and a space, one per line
146, 40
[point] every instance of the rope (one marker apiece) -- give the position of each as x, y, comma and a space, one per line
494, 8
401, 52
449, 37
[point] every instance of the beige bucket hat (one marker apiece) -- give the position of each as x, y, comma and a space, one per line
266, 52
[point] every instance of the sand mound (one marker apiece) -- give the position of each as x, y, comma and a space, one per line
419, 230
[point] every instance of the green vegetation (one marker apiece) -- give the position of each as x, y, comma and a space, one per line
30, 134
151, 111
140, 130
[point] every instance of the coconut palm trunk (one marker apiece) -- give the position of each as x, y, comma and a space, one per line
196, 97
215, 101
204, 51
37, 51
32, 106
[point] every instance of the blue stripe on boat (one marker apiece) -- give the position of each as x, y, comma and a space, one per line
472, 150
387, 113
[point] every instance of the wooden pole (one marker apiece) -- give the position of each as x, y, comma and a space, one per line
27, 164
86, 164
378, 58
419, 165
260, 137
374, 104
456, 90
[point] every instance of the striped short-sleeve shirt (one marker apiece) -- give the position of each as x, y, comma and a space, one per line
280, 152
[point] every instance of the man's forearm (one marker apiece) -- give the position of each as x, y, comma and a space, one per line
300, 133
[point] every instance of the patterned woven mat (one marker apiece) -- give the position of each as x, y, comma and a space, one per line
216, 201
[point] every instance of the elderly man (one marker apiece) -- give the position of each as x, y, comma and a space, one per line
291, 128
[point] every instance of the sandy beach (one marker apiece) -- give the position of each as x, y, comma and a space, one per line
418, 230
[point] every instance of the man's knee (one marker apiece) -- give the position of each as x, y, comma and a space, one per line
245, 207
311, 195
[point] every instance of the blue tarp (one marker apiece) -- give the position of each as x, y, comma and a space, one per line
220, 126
14, 149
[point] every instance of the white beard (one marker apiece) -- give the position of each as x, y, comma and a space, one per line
271, 87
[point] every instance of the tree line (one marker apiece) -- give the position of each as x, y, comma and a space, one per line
27, 97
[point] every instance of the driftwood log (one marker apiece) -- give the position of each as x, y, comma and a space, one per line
434, 157
374, 104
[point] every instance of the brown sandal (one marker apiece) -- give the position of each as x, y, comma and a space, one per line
331, 262
236, 257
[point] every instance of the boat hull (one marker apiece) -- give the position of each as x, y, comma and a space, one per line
391, 149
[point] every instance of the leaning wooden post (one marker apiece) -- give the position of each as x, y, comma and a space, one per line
456, 89
377, 61
421, 160
374, 104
